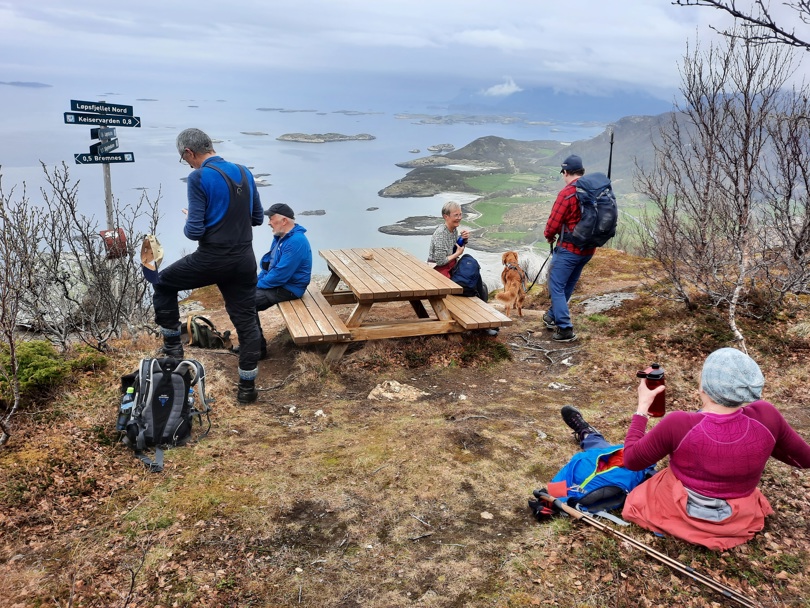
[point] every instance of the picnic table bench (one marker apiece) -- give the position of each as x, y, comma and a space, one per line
312, 319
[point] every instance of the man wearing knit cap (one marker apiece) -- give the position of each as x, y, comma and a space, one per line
285, 270
708, 494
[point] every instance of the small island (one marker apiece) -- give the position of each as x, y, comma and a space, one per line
441, 148
322, 138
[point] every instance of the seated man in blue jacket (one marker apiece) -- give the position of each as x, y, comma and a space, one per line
286, 269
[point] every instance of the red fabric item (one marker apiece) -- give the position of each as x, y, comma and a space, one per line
616, 459
659, 505
565, 214
558, 489
446, 268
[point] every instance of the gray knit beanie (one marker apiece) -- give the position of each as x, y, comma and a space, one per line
731, 378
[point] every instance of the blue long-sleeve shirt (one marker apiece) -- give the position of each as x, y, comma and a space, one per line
208, 197
288, 264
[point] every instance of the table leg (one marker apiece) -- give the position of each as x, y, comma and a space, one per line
331, 283
354, 320
419, 309
440, 309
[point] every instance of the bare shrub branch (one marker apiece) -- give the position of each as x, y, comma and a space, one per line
757, 22
19, 236
726, 221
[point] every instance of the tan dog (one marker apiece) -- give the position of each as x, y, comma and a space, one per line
514, 283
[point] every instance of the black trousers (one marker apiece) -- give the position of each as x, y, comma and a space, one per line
265, 298
234, 273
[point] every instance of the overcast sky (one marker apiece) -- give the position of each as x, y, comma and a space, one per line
493, 47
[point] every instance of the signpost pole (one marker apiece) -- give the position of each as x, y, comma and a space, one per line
103, 117
105, 167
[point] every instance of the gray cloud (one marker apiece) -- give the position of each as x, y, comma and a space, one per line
617, 43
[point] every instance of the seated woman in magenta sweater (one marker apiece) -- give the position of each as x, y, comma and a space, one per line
708, 494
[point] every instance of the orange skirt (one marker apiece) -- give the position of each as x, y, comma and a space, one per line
659, 505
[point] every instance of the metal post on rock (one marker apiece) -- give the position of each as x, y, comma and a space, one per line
106, 173
105, 169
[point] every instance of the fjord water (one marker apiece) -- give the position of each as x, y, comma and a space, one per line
341, 178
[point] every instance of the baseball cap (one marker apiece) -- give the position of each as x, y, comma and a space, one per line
281, 209
572, 163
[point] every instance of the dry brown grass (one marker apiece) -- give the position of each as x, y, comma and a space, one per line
387, 504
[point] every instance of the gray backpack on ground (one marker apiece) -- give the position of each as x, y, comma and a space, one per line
167, 395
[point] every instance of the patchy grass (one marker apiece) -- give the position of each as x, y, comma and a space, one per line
390, 504
502, 181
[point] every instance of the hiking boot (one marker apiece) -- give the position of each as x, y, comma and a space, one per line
564, 334
247, 392
573, 418
262, 351
172, 347
548, 320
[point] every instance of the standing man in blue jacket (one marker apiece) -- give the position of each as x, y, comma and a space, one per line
286, 269
223, 207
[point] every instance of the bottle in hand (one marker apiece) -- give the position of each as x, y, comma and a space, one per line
655, 377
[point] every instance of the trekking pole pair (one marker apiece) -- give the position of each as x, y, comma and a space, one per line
696, 576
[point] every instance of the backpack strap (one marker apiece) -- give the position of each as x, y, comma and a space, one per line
197, 373
154, 466
147, 390
190, 330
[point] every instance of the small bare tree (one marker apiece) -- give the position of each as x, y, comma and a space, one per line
785, 184
19, 237
85, 289
716, 229
758, 23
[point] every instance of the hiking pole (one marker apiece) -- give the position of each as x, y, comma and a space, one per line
661, 557
537, 276
610, 157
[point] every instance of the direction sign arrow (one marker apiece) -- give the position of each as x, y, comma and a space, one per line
100, 107
104, 147
74, 118
102, 133
94, 159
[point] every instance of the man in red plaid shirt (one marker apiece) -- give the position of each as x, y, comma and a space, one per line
568, 259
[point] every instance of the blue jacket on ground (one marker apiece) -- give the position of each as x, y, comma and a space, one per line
581, 474
288, 264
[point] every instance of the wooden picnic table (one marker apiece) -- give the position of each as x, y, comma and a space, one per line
391, 274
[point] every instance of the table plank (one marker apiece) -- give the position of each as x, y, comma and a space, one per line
378, 271
337, 265
428, 281
389, 276
400, 266
435, 282
474, 313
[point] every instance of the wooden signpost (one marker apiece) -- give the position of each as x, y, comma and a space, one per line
103, 117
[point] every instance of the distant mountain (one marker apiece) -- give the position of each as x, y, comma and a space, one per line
546, 104
634, 142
